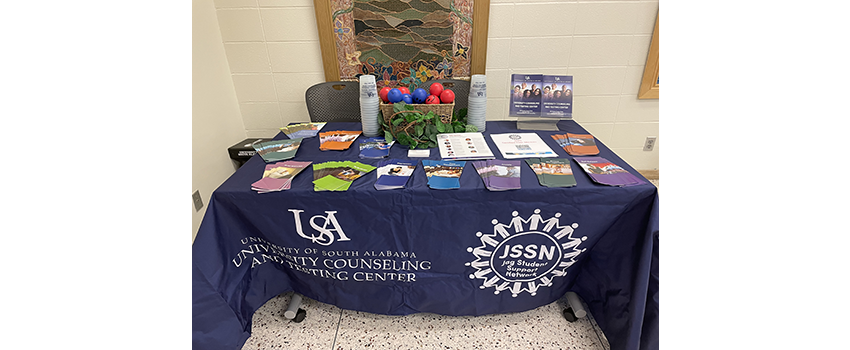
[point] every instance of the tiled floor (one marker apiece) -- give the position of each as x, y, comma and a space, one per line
331, 328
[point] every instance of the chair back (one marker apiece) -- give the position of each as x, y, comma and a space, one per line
334, 101
459, 87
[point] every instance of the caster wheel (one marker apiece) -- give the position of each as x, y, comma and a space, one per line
299, 316
569, 315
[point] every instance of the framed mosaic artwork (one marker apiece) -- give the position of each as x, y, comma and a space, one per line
402, 42
649, 84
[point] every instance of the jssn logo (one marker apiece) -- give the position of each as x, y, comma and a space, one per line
521, 258
325, 236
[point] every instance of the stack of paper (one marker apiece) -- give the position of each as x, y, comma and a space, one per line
552, 172
604, 172
278, 176
374, 148
499, 175
277, 150
338, 140
337, 176
442, 174
522, 145
463, 146
393, 174
577, 144
302, 130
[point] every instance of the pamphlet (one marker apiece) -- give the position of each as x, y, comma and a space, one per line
552, 172
522, 145
374, 148
463, 146
338, 140
303, 130
605, 172
278, 176
277, 150
577, 144
338, 176
499, 175
443, 174
393, 173
537, 95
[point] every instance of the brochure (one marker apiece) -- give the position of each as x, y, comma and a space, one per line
443, 174
338, 140
605, 172
277, 150
522, 145
552, 172
374, 148
338, 176
393, 173
538, 95
499, 175
577, 144
303, 130
463, 146
278, 176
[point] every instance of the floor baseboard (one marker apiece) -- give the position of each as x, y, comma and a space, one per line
649, 174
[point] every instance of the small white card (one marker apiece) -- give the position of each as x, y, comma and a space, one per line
419, 153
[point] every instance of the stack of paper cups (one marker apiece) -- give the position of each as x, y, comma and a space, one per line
369, 106
476, 112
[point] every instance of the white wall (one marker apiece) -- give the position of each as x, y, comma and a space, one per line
273, 50
216, 120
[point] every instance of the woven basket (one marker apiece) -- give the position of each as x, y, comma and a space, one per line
444, 110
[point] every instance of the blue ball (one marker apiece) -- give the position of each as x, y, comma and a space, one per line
419, 95
407, 98
394, 96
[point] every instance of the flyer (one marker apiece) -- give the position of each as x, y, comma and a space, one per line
522, 145
464, 146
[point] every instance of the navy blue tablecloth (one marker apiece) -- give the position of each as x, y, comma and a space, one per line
466, 251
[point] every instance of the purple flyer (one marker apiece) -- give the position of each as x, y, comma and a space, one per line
526, 95
557, 98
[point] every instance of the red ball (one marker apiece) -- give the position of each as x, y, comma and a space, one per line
432, 100
383, 93
403, 90
447, 96
436, 89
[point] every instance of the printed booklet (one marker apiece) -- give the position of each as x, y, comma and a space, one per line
499, 175
374, 148
443, 174
277, 150
338, 176
394, 173
278, 176
338, 140
577, 144
538, 95
604, 172
463, 146
552, 172
522, 145
303, 130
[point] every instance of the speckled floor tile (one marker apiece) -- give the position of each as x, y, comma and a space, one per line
541, 328
270, 330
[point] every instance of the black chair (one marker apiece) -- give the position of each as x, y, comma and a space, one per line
334, 101
459, 87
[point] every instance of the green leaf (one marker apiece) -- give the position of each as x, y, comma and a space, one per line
449, 128
409, 117
419, 130
398, 121
441, 128
423, 145
398, 107
471, 128
388, 136
432, 144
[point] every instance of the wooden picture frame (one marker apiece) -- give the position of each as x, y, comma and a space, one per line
649, 83
480, 15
